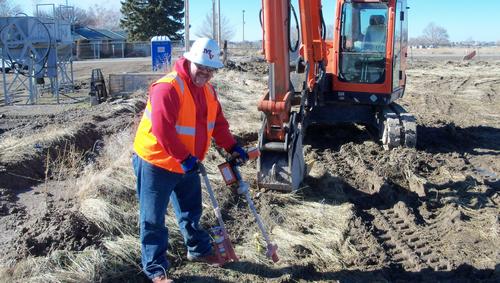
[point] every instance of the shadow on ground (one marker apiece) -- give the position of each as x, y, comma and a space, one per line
308, 273
451, 138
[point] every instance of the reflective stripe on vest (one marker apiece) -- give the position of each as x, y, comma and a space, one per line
146, 144
211, 126
181, 130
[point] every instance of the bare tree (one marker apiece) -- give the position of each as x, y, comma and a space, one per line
94, 17
8, 9
227, 29
416, 41
97, 17
469, 42
104, 18
294, 34
435, 35
329, 32
82, 17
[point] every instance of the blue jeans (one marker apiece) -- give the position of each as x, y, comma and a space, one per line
155, 186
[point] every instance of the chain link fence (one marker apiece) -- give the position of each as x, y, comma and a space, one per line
83, 50
117, 49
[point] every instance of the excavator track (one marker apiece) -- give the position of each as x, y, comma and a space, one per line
399, 129
409, 130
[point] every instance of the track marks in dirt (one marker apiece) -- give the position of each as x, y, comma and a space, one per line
399, 228
459, 88
492, 84
403, 240
461, 92
381, 202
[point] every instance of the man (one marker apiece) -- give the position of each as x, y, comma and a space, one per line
375, 34
181, 116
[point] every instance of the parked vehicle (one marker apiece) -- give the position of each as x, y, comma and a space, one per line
6, 66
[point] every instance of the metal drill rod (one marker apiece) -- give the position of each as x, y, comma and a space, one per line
215, 204
244, 189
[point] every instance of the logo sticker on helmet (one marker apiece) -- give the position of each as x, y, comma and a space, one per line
209, 53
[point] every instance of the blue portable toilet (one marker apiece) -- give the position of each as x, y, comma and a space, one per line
161, 52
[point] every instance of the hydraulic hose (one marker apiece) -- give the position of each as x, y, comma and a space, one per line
292, 9
323, 25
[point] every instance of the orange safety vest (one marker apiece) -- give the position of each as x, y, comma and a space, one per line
146, 145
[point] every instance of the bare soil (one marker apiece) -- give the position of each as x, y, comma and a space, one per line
362, 214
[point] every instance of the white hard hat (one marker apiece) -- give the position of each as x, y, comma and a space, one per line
205, 51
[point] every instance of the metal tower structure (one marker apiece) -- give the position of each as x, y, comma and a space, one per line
37, 48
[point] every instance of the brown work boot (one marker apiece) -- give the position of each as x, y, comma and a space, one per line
162, 279
211, 259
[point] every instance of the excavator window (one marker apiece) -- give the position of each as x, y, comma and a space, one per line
364, 40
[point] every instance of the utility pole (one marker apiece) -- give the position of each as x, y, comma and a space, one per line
214, 28
186, 25
243, 25
219, 35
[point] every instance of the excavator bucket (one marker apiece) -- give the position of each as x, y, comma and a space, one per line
281, 166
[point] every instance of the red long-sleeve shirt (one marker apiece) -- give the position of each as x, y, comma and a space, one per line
165, 110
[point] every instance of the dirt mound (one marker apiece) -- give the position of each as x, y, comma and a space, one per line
254, 66
43, 155
57, 230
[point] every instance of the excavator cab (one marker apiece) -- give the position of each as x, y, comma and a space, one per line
369, 53
354, 79
362, 55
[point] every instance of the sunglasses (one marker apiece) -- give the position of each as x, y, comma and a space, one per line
205, 68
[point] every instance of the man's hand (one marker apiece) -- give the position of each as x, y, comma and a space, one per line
190, 164
239, 154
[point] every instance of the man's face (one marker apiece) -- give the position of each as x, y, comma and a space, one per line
200, 74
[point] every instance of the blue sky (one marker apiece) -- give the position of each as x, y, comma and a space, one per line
477, 20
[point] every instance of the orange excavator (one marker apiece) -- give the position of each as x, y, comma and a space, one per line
354, 78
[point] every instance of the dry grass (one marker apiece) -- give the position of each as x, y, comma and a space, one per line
117, 260
13, 147
106, 199
68, 163
107, 191
112, 172
59, 266
304, 231
460, 51
238, 93
109, 218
